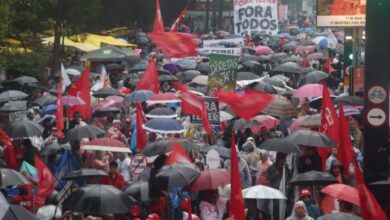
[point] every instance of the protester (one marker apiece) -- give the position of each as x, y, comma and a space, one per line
114, 178
299, 212
212, 206
312, 210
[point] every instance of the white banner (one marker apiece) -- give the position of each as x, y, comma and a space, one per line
231, 42
259, 16
221, 50
341, 21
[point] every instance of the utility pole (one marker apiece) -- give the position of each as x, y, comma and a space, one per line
57, 38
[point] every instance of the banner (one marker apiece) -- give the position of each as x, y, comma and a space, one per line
358, 79
258, 16
341, 13
283, 12
223, 72
212, 106
221, 50
234, 42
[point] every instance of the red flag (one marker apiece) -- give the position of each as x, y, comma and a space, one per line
370, 208
248, 41
178, 155
329, 124
178, 20
175, 44
282, 43
141, 135
81, 89
236, 201
193, 104
149, 79
345, 149
59, 113
46, 183
247, 105
328, 66
158, 21
9, 150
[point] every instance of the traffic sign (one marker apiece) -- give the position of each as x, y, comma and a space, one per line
138, 164
377, 94
376, 117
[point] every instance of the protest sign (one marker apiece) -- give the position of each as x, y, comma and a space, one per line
212, 107
220, 50
223, 72
230, 42
258, 16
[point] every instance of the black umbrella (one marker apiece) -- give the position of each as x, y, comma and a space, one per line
161, 112
76, 134
26, 80
246, 76
113, 66
204, 68
248, 57
278, 57
265, 87
163, 146
45, 100
105, 92
141, 40
241, 124
177, 175
317, 101
288, 67
102, 112
188, 75
313, 177
139, 191
17, 212
74, 174
307, 70
12, 95
14, 106
222, 151
339, 216
274, 82
10, 177
167, 78
139, 67
54, 148
98, 200
310, 138
349, 100
280, 145
23, 129
313, 77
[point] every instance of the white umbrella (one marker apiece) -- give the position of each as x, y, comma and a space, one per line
201, 80
262, 192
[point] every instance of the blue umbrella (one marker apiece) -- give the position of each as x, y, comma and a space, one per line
139, 96
49, 109
164, 125
173, 68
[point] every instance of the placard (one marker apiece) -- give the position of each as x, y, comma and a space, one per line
220, 50
255, 16
138, 164
223, 72
212, 106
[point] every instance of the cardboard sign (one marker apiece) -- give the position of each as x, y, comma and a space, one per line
212, 107
223, 72
256, 16
138, 164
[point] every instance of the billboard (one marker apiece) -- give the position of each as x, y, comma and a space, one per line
341, 13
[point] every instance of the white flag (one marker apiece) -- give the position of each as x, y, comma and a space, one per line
65, 78
332, 40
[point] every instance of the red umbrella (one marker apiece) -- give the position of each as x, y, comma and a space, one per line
211, 179
304, 49
163, 98
106, 144
343, 192
263, 50
110, 101
310, 91
72, 100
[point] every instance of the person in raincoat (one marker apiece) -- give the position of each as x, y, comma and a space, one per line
299, 212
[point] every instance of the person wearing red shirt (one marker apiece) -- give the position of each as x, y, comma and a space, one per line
114, 178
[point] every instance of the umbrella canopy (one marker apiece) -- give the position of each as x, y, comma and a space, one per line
173, 68
139, 96
163, 98
211, 179
110, 101
313, 77
188, 75
161, 112
222, 151
164, 125
12, 95
274, 82
343, 192
267, 121
265, 87
262, 192
72, 100
177, 175
45, 100
102, 112
281, 107
23, 80
246, 76
280, 145
54, 148
167, 78
10, 177
310, 138
98, 200
23, 129
242, 123
313, 178
289, 67
105, 92
263, 50
49, 109
349, 100
278, 57
139, 191
78, 133
310, 91
14, 106
339, 216
139, 67
201, 80
74, 174
106, 144
17, 212
204, 68
163, 146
